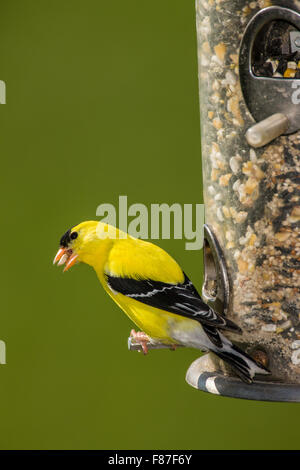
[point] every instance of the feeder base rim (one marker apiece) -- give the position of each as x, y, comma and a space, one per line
203, 375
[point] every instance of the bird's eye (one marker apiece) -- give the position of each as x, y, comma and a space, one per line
73, 235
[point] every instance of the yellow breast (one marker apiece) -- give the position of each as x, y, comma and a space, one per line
156, 323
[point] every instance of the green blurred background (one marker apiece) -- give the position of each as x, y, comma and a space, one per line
102, 100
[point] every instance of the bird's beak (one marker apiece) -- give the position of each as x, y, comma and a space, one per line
65, 256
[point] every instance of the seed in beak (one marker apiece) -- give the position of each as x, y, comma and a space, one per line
62, 260
59, 254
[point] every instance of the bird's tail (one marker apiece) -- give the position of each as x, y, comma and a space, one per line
244, 365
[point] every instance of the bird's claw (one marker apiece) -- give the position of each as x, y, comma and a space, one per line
147, 343
141, 338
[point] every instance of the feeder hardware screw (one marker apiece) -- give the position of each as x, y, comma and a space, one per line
267, 130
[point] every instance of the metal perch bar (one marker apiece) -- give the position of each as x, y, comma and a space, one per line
133, 346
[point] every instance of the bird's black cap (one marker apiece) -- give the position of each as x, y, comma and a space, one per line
65, 239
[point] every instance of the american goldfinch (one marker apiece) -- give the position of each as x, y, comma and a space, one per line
151, 288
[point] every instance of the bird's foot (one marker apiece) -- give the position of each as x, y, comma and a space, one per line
141, 338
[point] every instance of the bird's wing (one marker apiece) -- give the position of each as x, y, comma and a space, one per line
181, 298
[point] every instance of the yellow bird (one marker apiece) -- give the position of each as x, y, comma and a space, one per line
151, 288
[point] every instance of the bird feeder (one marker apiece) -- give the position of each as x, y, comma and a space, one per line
249, 82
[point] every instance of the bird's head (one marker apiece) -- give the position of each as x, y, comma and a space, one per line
84, 242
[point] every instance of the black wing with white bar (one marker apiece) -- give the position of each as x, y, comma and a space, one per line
182, 299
